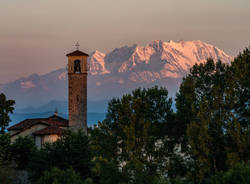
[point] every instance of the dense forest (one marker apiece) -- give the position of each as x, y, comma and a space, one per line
144, 141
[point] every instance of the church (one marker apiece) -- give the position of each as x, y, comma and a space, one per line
45, 130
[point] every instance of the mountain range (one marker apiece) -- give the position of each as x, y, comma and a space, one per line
116, 73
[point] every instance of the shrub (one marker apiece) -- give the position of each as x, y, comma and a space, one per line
57, 176
240, 174
21, 151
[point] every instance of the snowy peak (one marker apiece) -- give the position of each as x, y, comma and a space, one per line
97, 63
157, 45
156, 60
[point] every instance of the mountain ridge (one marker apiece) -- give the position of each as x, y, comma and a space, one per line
119, 71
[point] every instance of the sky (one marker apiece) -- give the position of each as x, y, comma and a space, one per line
36, 35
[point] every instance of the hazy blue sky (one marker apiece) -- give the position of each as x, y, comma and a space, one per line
35, 35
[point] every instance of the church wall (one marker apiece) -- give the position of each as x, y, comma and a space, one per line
38, 141
29, 131
78, 101
12, 132
50, 138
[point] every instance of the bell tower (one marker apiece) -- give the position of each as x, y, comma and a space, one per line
77, 86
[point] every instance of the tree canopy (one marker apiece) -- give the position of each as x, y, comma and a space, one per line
6, 107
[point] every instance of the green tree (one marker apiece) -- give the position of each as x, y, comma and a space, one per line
138, 125
239, 174
5, 147
106, 172
71, 150
238, 93
238, 79
58, 176
103, 141
200, 102
6, 107
7, 173
184, 114
21, 151
213, 110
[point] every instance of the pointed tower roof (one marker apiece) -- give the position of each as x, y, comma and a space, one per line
77, 53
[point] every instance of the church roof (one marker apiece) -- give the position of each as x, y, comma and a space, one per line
50, 121
51, 130
77, 53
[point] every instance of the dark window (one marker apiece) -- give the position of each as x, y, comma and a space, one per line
77, 66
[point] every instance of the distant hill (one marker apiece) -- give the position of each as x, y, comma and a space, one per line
118, 72
96, 111
93, 118
62, 107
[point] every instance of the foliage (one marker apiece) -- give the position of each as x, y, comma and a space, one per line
213, 111
179, 165
106, 172
239, 96
6, 107
103, 141
5, 150
57, 176
136, 129
177, 180
239, 174
21, 151
7, 173
239, 89
71, 150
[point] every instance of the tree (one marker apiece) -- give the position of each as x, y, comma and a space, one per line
6, 107
239, 174
71, 150
199, 106
7, 173
106, 172
239, 87
213, 110
21, 151
58, 176
5, 147
138, 125
238, 93
102, 142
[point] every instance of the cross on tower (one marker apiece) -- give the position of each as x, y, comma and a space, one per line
77, 45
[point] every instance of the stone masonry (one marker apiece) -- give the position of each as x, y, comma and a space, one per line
77, 86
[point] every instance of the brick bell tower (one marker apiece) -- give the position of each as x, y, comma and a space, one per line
77, 85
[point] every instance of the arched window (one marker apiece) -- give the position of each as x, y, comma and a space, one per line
77, 66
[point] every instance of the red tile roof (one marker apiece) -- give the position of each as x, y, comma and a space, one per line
51, 130
50, 121
77, 53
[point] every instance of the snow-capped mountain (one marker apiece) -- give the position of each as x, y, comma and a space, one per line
118, 72
156, 60
97, 63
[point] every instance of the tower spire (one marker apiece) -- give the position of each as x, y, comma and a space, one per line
77, 45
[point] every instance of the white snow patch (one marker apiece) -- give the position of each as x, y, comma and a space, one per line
27, 84
62, 76
98, 84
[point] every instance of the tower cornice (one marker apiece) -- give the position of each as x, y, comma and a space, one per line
77, 53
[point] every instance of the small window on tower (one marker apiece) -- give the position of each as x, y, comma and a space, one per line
77, 66
77, 98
